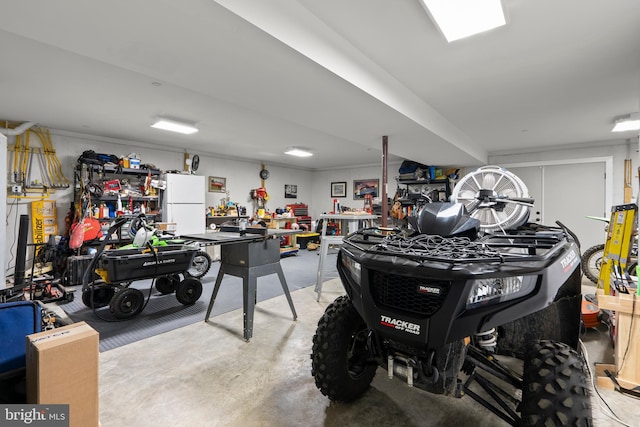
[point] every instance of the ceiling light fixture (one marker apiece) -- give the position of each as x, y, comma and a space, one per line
174, 126
298, 152
458, 19
627, 123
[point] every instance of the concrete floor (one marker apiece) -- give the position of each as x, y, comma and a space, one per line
205, 374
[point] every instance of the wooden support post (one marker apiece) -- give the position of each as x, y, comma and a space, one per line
627, 352
627, 181
185, 166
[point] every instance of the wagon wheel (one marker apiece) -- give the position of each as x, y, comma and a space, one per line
100, 292
167, 284
188, 291
127, 303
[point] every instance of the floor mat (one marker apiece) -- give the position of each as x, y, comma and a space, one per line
164, 313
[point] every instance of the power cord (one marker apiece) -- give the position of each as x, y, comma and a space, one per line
612, 415
633, 311
15, 227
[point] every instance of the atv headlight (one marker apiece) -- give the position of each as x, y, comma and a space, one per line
499, 289
352, 267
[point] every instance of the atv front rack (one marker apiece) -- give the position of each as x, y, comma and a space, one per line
531, 245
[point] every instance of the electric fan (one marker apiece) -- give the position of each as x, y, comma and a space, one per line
496, 197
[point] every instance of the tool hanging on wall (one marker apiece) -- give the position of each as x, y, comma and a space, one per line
368, 203
25, 154
264, 174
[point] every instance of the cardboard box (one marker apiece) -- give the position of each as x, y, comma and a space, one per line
166, 226
62, 368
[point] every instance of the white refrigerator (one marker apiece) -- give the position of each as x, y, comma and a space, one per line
183, 202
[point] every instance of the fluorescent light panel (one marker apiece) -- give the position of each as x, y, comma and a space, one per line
298, 152
624, 124
174, 126
458, 19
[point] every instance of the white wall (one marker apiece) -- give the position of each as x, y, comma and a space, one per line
314, 188
323, 202
242, 176
619, 151
3, 206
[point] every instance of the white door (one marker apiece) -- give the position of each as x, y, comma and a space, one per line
532, 177
571, 193
568, 193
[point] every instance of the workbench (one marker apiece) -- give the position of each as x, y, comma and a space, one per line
218, 220
248, 255
348, 224
279, 222
625, 372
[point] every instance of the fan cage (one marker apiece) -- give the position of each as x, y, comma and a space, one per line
498, 217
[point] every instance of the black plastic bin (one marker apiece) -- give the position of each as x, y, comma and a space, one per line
124, 265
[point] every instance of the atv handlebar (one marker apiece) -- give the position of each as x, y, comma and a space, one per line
526, 201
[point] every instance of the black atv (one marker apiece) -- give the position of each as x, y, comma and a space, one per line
435, 304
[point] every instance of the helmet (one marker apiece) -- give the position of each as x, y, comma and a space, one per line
140, 231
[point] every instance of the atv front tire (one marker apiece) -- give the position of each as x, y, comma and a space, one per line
555, 390
592, 261
340, 361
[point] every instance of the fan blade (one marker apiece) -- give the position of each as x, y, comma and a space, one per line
488, 181
481, 215
466, 195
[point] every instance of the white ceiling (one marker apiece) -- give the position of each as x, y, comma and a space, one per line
331, 75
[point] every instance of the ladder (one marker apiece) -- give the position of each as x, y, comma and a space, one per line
617, 246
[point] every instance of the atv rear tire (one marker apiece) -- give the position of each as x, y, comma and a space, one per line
591, 262
340, 361
555, 390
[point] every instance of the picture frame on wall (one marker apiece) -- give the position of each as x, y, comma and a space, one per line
217, 184
290, 191
339, 189
362, 187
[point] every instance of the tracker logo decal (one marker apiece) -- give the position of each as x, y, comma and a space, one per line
400, 325
569, 261
425, 289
